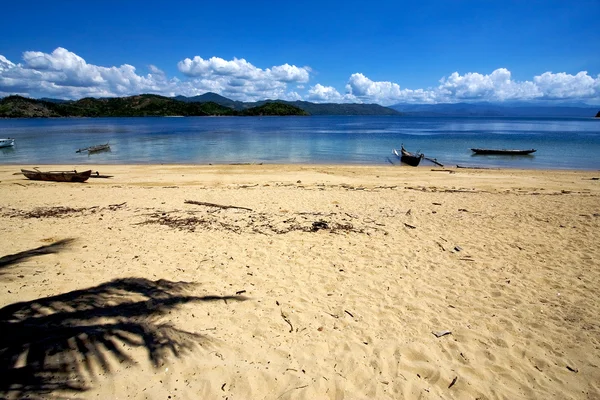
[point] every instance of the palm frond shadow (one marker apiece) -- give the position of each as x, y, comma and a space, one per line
55, 247
58, 344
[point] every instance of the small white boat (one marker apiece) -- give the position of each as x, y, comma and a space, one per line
7, 142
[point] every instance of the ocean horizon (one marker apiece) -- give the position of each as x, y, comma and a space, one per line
560, 143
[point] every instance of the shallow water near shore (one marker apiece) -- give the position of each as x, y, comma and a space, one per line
561, 143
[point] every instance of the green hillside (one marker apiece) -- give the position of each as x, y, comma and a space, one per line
310, 108
146, 105
273, 109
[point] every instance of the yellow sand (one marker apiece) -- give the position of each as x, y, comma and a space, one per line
346, 272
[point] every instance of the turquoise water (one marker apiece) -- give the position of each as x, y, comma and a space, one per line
566, 143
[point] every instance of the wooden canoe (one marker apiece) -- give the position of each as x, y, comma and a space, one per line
57, 176
408, 158
506, 152
95, 149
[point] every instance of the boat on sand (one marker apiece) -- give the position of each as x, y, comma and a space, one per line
408, 158
57, 176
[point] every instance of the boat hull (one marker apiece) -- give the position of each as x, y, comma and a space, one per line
505, 152
7, 142
57, 176
411, 160
95, 149
98, 149
408, 158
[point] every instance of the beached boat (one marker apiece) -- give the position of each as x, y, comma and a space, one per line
95, 149
7, 142
57, 176
408, 158
506, 152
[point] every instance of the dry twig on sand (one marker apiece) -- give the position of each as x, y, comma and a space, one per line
202, 203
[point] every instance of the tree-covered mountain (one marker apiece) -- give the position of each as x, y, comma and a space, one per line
485, 109
145, 105
274, 108
343, 108
22, 107
215, 98
310, 108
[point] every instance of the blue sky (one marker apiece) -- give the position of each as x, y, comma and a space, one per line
384, 52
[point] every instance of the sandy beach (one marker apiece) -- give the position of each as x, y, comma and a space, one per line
300, 282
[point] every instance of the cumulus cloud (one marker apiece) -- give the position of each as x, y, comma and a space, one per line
496, 86
365, 90
565, 86
242, 80
241, 69
324, 94
64, 74
5, 64
363, 87
473, 86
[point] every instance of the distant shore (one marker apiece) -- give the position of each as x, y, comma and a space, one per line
304, 282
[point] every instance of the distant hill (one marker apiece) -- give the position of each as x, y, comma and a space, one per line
215, 98
598, 115
343, 109
274, 108
495, 110
134, 106
310, 108
20, 107
51, 100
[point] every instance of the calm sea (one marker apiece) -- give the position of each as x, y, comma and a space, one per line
567, 143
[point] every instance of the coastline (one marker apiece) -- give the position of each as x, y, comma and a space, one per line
345, 272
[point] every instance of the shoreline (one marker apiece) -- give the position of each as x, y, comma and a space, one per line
404, 168
308, 282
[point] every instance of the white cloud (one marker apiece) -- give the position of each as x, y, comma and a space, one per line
473, 86
386, 93
290, 73
241, 69
241, 80
5, 64
497, 86
565, 86
325, 94
363, 87
64, 74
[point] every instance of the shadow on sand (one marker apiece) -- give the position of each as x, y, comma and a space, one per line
55, 247
56, 345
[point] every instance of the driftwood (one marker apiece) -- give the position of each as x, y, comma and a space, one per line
202, 203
